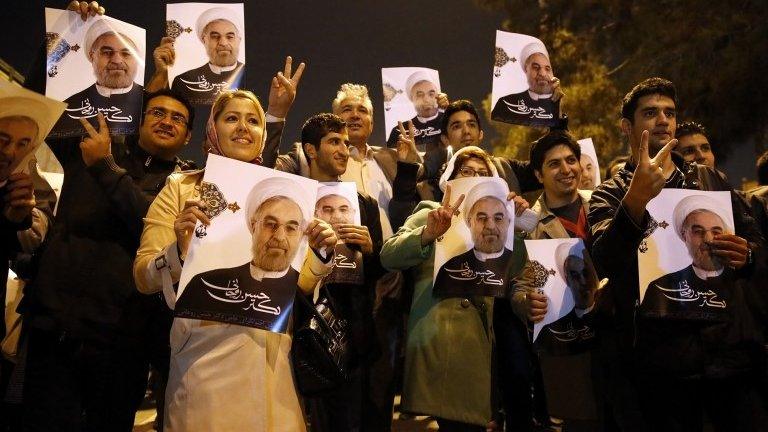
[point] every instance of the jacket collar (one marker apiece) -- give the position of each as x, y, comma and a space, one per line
548, 222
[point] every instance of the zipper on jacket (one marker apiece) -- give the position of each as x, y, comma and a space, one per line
149, 161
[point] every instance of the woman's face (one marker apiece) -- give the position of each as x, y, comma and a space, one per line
240, 129
473, 167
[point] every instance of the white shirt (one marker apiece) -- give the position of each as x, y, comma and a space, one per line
219, 69
706, 274
482, 256
370, 179
107, 92
259, 273
426, 119
536, 96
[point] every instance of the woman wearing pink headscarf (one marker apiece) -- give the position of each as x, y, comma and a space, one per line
222, 377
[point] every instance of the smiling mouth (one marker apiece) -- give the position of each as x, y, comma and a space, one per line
242, 140
164, 133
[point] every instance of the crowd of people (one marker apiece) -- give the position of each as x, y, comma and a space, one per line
101, 274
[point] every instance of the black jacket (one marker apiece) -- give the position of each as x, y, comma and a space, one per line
661, 346
84, 287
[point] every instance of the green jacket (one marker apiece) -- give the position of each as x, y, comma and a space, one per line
449, 349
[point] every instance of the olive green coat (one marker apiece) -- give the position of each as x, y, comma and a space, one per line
449, 348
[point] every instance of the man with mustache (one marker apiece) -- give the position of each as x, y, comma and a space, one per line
488, 219
673, 369
535, 106
277, 222
699, 290
428, 102
115, 58
221, 32
324, 140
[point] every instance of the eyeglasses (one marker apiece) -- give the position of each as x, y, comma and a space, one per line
292, 229
160, 114
470, 172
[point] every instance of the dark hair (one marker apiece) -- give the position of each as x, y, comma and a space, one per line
762, 169
453, 108
544, 144
622, 159
148, 96
466, 154
318, 126
648, 86
690, 128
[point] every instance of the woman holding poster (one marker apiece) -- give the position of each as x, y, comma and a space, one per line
215, 365
448, 368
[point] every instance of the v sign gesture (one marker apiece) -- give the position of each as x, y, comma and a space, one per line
282, 91
649, 178
439, 219
98, 144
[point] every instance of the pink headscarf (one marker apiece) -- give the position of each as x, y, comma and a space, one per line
211, 144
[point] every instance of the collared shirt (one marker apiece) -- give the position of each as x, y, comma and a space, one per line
426, 119
482, 256
219, 69
259, 273
536, 96
706, 274
107, 92
370, 179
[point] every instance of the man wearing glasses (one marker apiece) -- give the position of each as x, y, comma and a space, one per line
115, 59
89, 330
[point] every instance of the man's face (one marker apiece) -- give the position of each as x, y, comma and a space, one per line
587, 173
488, 223
560, 173
696, 148
699, 229
164, 128
463, 130
424, 98
335, 209
276, 232
17, 137
222, 42
359, 119
581, 281
114, 63
539, 73
333, 154
656, 114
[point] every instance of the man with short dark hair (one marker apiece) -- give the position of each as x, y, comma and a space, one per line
324, 142
678, 368
693, 144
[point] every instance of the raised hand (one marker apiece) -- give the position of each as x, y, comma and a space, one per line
86, 9
164, 55
282, 91
406, 143
557, 91
98, 144
356, 234
320, 235
536, 304
648, 180
184, 225
439, 219
442, 101
520, 203
19, 199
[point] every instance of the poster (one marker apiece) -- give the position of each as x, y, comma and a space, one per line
94, 66
243, 268
590, 166
210, 49
337, 204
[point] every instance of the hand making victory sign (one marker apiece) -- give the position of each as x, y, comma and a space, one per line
406, 143
282, 91
98, 144
648, 179
439, 219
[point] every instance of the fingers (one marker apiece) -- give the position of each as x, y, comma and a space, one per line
412, 130
103, 128
520, 205
446, 197
288, 66
281, 79
644, 158
19, 180
88, 128
167, 40
20, 193
195, 209
297, 75
663, 154
458, 202
401, 129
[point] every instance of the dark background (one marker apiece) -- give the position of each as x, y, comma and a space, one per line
341, 41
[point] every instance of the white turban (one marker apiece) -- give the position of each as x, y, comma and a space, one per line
219, 13
417, 77
452, 164
279, 186
101, 27
563, 251
18, 101
699, 202
532, 48
493, 187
